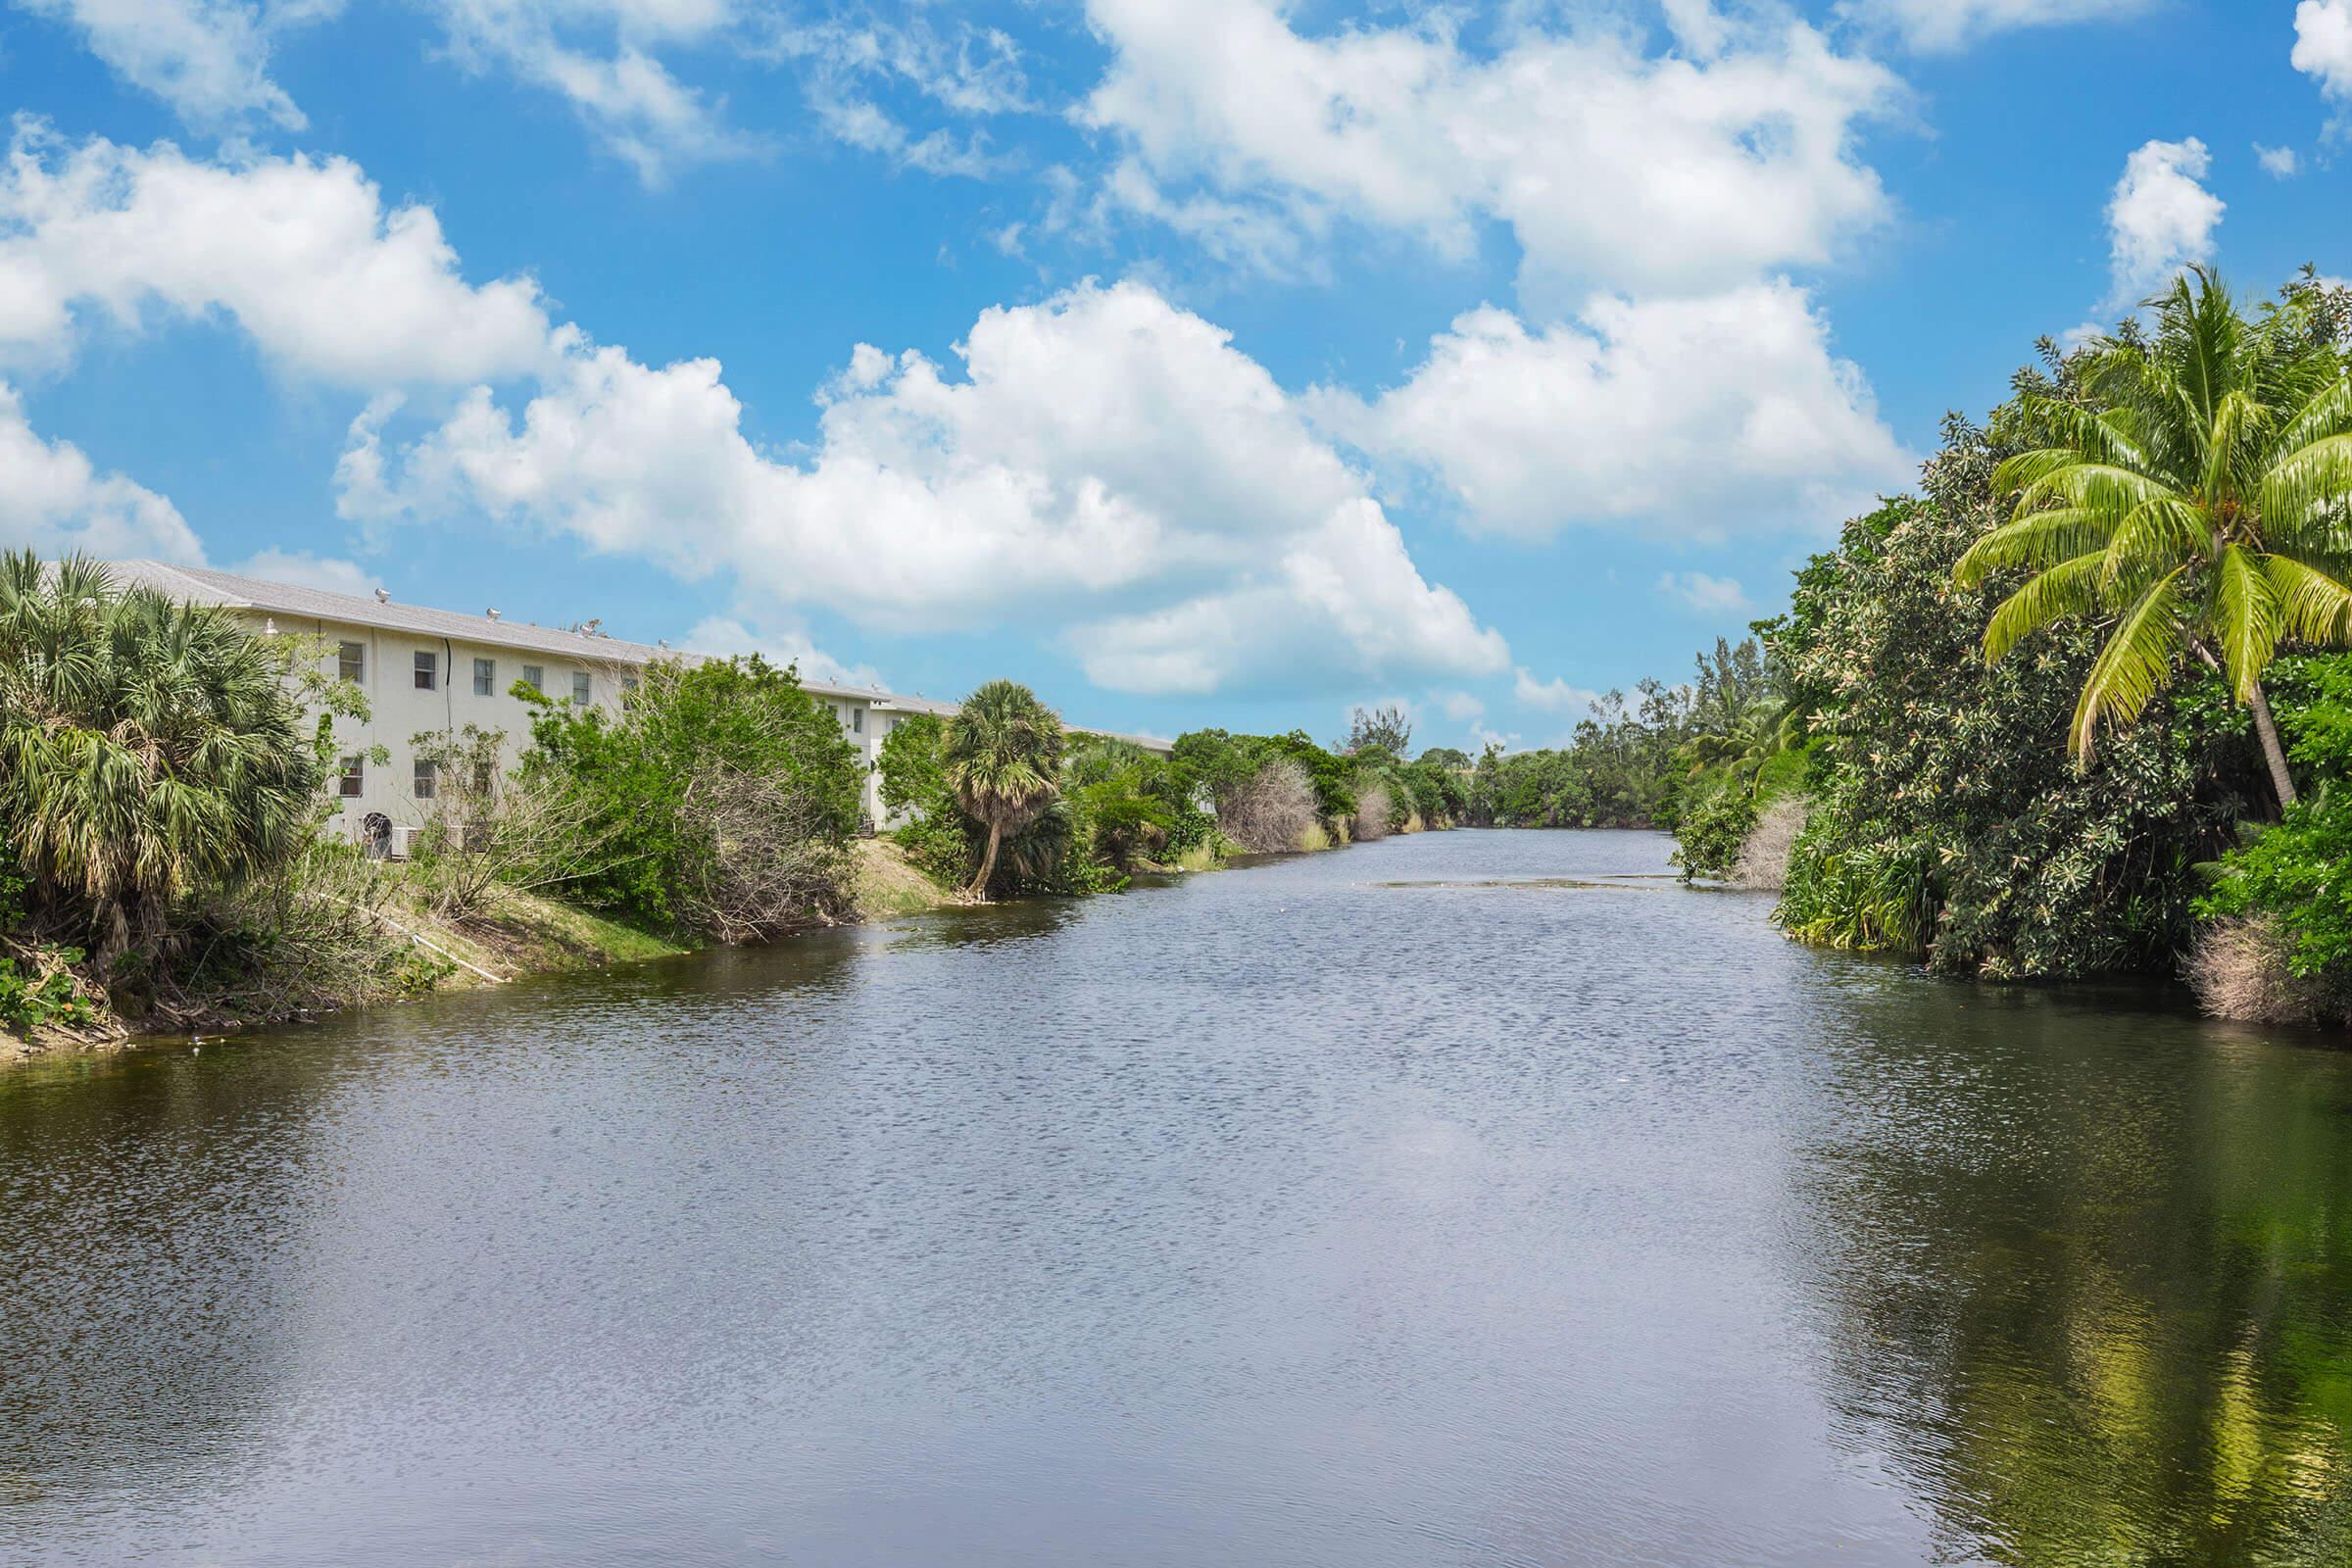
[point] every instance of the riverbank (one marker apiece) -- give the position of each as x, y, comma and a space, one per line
512, 934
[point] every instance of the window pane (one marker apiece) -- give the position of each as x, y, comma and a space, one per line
424, 781
354, 778
858, 721
351, 661
579, 687
485, 676
535, 677
429, 669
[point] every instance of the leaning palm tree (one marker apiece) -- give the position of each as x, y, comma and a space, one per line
147, 748
2202, 501
1001, 755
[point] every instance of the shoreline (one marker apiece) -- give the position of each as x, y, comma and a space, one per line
527, 935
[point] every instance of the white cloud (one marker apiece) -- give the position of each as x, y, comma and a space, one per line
964, 70
1460, 707
209, 59
300, 254
782, 643
2323, 44
1062, 477
301, 567
1695, 416
1554, 696
1672, 172
1937, 25
1706, 594
601, 56
2279, 163
53, 501
2160, 219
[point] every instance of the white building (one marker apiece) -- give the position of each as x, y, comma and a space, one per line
435, 671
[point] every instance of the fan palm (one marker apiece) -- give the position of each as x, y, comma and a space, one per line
1001, 756
146, 748
2203, 501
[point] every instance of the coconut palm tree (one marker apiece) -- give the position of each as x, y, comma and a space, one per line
2201, 498
1001, 755
146, 749
1763, 730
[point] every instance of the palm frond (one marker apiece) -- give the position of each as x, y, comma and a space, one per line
2313, 605
2304, 492
2246, 614
2038, 540
2069, 588
2136, 663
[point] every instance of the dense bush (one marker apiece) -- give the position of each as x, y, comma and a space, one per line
1948, 819
2282, 903
720, 801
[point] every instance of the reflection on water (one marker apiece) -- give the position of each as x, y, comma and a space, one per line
1431, 1202
2094, 1273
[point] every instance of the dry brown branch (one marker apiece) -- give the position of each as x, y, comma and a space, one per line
1270, 813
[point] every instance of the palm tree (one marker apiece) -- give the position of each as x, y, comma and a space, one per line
146, 749
1764, 729
1002, 757
2203, 500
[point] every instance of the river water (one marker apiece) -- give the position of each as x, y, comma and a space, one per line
1465, 1199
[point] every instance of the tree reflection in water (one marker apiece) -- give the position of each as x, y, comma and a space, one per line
2091, 1276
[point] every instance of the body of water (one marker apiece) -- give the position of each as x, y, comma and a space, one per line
1465, 1199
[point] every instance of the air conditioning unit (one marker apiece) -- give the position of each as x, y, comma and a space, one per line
402, 839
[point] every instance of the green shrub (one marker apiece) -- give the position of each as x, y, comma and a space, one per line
1712, 833
29, 1001
721, 801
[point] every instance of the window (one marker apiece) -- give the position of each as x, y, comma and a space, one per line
353, 778
351, 661
629, 683
856, 720
485, 676
425, 780
579, 688
535, 677
486, 779
428, 672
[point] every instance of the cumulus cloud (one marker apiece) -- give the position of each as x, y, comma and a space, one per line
1709, 595
2279, 163
2160, 219
209, 59
1695, 415
305, 569
53, 501
1684, 172
780, 642
1554, 696
1937, 26
1062, 473
303, 255
2323, 44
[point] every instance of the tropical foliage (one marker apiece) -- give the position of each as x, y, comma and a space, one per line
720, 802
2191, 489
1000, 756
148, 749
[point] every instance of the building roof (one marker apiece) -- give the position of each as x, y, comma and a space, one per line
208, 586
205, 585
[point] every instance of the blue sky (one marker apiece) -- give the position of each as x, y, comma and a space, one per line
1196, 361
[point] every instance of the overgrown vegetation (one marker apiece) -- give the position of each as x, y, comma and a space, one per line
719, 802
2037, 708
